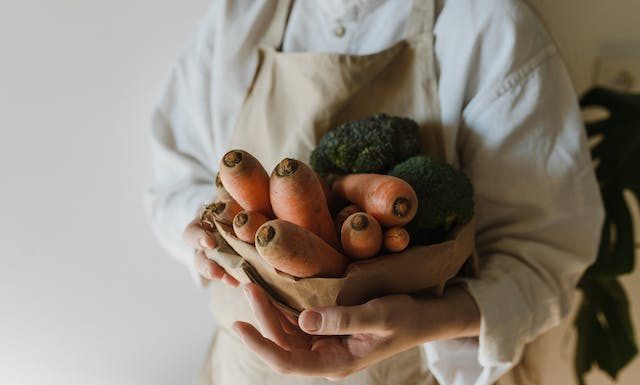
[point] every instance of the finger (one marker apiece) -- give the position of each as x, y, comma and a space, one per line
207, 268
269, 318
290, 324
300, 361
195, 237
266, 314
273, 355
371, 317
229, 280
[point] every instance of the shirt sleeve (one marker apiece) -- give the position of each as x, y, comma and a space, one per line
538, 214
182, 148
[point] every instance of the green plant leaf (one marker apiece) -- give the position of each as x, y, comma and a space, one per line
616, 254
603, 323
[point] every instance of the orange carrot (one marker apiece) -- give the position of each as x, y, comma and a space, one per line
297, 251
246, 181
344, 214
222, 211
221, 193
326, 190
246, 223
390, 200
296, 196
396, 239
361, 236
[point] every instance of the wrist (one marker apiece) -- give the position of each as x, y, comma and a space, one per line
454, 315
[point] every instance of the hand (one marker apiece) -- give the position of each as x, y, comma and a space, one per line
197, 238
334, 342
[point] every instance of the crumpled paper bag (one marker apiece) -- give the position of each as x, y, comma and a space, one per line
417, 269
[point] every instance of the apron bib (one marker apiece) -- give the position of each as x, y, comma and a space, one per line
294, 99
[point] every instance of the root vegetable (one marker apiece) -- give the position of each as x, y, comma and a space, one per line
344, 214
297, 251
297, 197
246, 223
246, 181
221, 193
361, 236
390, 200
223, 211
396, 239
326, 190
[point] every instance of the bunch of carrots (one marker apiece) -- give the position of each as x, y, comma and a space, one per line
289, 215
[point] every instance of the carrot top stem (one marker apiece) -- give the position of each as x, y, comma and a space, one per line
218, 207
241, 219
206, 217
265, 235
359, 222
286, 167
401, 207
232, 158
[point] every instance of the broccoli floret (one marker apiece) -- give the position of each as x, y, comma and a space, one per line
371, 145
445, 197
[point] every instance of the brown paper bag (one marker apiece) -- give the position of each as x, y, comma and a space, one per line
417, 269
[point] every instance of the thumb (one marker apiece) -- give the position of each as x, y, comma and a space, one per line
370, 317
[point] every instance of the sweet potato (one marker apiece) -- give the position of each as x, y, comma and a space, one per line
390, 200
297, 251
246, 181
297, 197
361, 236
246, 223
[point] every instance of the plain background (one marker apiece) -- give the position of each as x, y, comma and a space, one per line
87, 297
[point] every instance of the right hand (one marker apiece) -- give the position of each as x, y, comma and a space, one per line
197, 238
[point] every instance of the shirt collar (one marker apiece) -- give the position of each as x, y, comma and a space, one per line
347, 9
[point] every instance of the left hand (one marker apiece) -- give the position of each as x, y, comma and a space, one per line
336, 341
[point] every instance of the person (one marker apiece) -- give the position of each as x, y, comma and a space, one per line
492, 97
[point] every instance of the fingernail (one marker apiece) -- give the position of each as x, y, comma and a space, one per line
204, 244
311, 320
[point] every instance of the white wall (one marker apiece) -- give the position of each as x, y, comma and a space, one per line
86, 295
586, 29
586, 32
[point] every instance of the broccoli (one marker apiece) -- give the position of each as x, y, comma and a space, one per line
445, 197
371, 145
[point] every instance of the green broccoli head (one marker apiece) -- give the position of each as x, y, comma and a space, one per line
371, 145
445, 197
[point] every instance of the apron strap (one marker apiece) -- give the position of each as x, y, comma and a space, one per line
421, 19
275, 33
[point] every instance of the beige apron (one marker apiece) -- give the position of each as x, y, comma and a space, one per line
294, 99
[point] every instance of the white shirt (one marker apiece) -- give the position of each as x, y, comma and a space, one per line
506, 103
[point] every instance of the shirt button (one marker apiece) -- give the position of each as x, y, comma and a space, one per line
340, 31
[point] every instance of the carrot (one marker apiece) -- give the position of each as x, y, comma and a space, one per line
246, 223
390, 200
221, 193
344, 214
222, 211
361, 236
396, 239
297, 197
246, 181
297, 251
326, 190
